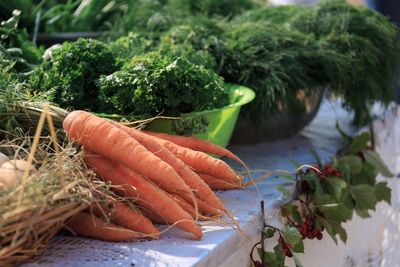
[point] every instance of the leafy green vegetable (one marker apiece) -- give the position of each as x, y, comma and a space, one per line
370, 44
69, 77
65, 15
131, 45
190, 125
221, 7
152, 84
15, 46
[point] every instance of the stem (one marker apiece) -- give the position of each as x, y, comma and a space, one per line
252, 250
262, 234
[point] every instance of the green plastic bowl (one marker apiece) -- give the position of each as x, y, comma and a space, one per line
222, 121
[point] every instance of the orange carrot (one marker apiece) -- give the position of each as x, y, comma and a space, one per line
188, 208
219, 184
88, 225
208, 210
145, 194
155, 218
123, 215
198, 145
202, 162
196, 159
100, 136
201, 190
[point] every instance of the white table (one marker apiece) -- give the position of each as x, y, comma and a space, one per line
223, 246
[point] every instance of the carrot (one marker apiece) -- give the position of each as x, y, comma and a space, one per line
202, 162
145, 193
201, 190
188, 208
208, 210
198, 145
155, 218
123, 215
219, 184
196, 159
88, 225
100, 136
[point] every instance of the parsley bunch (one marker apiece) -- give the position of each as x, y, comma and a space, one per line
69, 77
156, 83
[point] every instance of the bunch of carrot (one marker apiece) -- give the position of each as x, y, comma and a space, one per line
168, 178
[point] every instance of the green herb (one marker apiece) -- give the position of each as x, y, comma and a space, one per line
276, 62
153, 84
69, 77
222, 7
131, 45
190, 125
65, 15
371, 45
15, 46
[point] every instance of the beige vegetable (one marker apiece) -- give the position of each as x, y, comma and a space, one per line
3, 158
12, 171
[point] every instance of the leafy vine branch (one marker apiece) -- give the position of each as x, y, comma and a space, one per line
325, 196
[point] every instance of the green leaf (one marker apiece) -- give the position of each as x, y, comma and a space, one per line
362, 213
291, 235
333, 228
270, 258
290, 210
359, 143
364, 196
337, 228
296, 214
297, 261
316, 183
328, 227
374, 159
335, 187
280, 255
354, 163
299, 247
383, 192
366, 176
269, 232
338, 213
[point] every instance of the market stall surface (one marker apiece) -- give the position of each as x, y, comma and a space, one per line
221, 245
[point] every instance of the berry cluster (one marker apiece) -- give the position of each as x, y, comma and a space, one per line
309, 230
330, 171
286, 247
326, 171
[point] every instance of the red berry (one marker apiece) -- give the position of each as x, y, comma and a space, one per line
319, 235
257, 264
303, 229
288, 253
315, 232
310, 235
